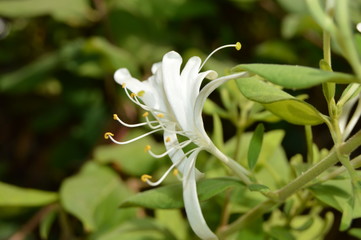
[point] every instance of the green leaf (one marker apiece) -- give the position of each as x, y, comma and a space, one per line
171, 196
211, 107
295, 77
217, 136
356, 232
327, 193
131, 158
257, 187
113, 57
93, 195
280, 51
71, 11
279, 232
253, 231
279, 102
46, 223
173, 220
23, 197
305, 225
255, 146
272, 159
37, 73
347, 215
139, 229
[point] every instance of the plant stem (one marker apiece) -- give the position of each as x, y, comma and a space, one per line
317, 169
309, 142
283, 193
356, 163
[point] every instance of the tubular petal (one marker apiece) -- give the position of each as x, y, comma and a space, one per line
205, 92
191, 202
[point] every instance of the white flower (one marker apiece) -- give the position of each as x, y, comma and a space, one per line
174, 99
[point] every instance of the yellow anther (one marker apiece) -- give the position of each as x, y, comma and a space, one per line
115, 117
238, 46
123, 85
108, 134
175, 172
141, 93
160, 115
145, 177
146, 114
147, 148
167, 139
133, 95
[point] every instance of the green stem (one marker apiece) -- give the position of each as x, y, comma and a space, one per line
344, 149
356, 163
238, 142
328, 88
309, 142
282, 194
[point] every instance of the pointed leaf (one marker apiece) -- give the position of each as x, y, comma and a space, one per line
258, 187
46, 224
74, 12
16, 196
295, 77
170, 196
327, 193
120, 155
356, 232
92, 196
138, 229
279, 102
347, 216
255, 146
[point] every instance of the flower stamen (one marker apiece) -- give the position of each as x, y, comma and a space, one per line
107, 135
147, 148
115, 117
145, 177
179, 146
110, 136
237, 46
141, 93
176, 173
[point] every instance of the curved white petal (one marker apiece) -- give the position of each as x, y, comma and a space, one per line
155, 67
205, 92
173, 88
191, 202
122, 76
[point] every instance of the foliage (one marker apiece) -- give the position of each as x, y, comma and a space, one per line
293, 122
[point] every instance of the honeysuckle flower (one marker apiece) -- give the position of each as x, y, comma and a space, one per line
173, 103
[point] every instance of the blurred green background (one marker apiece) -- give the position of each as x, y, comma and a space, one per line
57, 59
